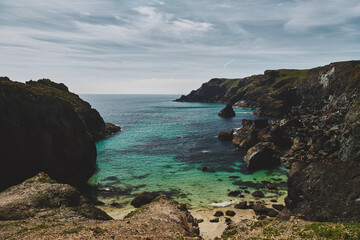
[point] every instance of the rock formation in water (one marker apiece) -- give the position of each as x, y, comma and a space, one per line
318, 113
227, 112
44, 127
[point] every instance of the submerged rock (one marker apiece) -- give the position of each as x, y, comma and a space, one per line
226, 136
227, 112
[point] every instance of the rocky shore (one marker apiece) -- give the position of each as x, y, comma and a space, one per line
315, 134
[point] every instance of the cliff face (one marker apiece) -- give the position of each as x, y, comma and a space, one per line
44, 127
320, 111
275, 92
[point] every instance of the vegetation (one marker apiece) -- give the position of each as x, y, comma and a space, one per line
73, 230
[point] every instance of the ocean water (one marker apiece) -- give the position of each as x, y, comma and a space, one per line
163, 146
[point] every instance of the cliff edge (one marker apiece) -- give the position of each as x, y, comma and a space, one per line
44, 127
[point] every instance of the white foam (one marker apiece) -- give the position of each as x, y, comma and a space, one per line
205, 151
222, 204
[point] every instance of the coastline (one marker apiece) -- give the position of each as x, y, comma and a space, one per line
208, 230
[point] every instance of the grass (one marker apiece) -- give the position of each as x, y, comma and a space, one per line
73, 230
98, 230
42, 200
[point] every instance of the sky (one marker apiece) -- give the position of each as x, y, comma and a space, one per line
170, 46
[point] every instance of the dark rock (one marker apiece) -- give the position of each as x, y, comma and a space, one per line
218, 214
326, 191
241, 196
215, 220
273, 200
272, 212
44, 127
241, 205
248, 135
278, 207
260, 209
251, 205
205, 169
226, 136
261, 217
262, 156
247, 191
116, 205
111, 129
142, 199
230, 213
228, 220
111, 178
40, 196
235, 193
258, 194
271, 186
227, 112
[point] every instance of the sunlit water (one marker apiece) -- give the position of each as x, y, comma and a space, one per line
163, 146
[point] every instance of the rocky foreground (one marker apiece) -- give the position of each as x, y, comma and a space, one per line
315, 133
41, 208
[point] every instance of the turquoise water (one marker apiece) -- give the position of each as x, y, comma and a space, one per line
164, 144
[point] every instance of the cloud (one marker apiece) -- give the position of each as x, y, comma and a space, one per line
305, 15
228, 63
131, 40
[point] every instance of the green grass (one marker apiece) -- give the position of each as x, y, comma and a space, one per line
43, 200
98, 230
73, 230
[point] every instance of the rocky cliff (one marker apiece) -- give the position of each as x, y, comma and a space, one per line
44, 127
318, 114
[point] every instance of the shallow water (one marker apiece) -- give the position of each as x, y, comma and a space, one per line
164, 144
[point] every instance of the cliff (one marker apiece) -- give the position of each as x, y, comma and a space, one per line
318, 112
276, 92
44, 127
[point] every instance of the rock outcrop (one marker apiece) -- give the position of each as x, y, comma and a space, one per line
49, 210
44, 127
326, 191
143, 198
263, 155
319, 111
227, 112
42, 197
226, 136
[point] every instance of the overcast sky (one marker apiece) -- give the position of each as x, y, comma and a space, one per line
170, 46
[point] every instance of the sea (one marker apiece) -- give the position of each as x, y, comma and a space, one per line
164, 146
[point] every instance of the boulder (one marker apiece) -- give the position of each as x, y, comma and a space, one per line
235, 193
226, 136
227, 112
262, 156
218, 214
142, 199
241, 205
230, 213
278, 207
249, 134
258, 194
